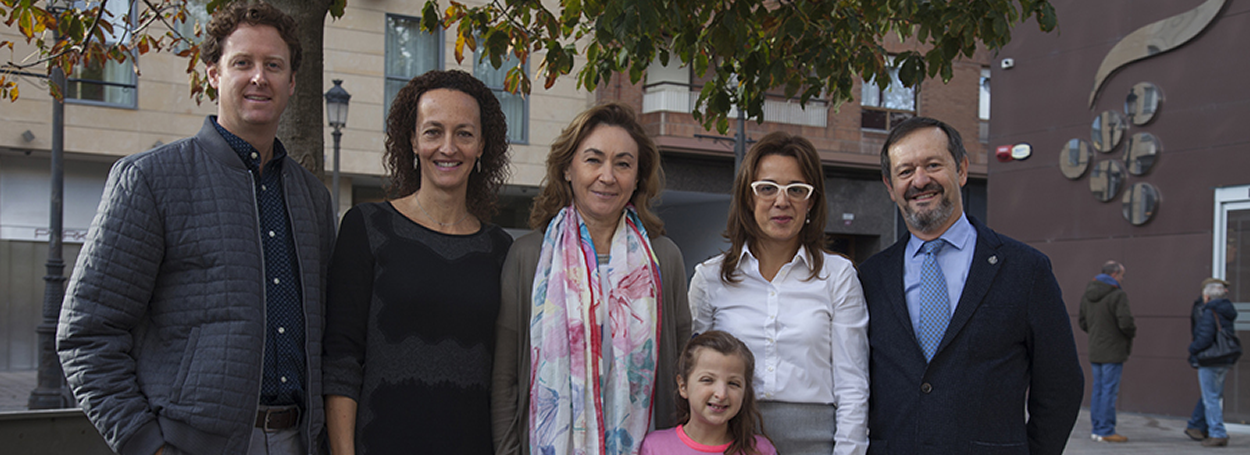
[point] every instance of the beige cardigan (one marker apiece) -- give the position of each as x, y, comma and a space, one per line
510, 381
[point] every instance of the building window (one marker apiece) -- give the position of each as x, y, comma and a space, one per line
410, 52
882, 109
515, 106
668, 87
107, 82
983, 110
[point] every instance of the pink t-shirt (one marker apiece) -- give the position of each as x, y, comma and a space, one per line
674, 441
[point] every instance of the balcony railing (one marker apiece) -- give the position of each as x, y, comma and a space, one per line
676, 97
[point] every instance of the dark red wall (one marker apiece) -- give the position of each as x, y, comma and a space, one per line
1204, 126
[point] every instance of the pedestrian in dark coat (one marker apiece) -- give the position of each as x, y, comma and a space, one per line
1105, 316
1207, 422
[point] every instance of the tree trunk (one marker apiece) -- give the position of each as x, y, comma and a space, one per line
302, 129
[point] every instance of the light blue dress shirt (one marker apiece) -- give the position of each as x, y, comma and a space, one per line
955, 259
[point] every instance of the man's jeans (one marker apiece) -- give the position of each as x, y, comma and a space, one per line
1209, 412
1103, 392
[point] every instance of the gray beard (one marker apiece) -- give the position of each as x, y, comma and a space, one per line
931, 220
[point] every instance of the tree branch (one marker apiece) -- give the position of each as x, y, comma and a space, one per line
158, 12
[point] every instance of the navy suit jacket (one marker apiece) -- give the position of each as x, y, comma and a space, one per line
1009, 343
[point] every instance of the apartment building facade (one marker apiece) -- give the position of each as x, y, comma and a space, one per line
375, 48
862, 220
1136, 115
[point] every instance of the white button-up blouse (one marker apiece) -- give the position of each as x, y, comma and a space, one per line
809, 337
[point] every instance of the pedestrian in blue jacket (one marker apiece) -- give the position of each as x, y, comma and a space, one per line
1207, 422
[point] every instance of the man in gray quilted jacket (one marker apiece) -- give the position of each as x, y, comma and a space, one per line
193, 320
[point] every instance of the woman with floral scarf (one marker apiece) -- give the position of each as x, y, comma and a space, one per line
593, 313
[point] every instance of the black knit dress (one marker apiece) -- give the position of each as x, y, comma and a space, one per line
410, 325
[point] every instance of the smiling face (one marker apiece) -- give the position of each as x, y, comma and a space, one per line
448, 138
253, 79
715, 389
603, 174
924, 181
781, 217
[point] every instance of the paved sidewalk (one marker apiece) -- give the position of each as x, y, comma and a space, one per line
1147, 434
1151, 435
15, 388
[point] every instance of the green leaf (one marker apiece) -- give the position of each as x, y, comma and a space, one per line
26, 23
337, 8
635, 73
430, 19
213, 5
950, 49
700, 64
497, 43
720, 101
1046, 19
572, 11
55, 91
511, 80
912, 70
592, 52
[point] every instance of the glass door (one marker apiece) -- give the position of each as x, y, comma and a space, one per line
1231, 253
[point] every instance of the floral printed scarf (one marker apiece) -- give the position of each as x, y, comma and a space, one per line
582, 403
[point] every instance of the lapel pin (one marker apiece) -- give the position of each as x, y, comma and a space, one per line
993, 260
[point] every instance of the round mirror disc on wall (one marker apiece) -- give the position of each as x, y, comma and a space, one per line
1107, 131
1105, 180
1074, 158
1140, 152
1142, 102
1140, 203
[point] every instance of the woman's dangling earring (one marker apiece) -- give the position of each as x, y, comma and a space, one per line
479, 165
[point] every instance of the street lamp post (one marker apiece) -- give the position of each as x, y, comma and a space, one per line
740, 139
49, 393
336, 116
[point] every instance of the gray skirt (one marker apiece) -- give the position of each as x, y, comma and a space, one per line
799, 428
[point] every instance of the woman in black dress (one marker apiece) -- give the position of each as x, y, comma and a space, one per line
414, 282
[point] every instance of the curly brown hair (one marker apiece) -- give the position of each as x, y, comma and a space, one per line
405, 179
556, 194
742, 427
227, 19
742, 228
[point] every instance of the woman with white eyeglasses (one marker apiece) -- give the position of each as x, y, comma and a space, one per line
796, 305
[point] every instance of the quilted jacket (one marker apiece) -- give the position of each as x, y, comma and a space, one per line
1205, 327
162, 330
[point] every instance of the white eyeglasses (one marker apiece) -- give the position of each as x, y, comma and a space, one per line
766, 189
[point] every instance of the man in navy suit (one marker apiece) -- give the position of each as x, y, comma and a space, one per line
967, 327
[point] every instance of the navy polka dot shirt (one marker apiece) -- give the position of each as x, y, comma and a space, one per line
283, 382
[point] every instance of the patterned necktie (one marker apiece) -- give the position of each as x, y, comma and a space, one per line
935, 307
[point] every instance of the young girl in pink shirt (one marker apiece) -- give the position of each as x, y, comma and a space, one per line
714, 376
